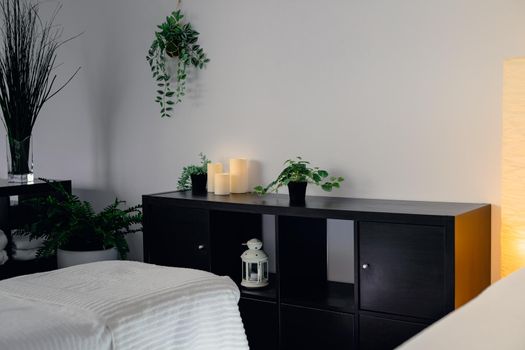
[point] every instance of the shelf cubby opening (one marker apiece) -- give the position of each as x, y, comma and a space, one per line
303, 266
333, 296
228, 232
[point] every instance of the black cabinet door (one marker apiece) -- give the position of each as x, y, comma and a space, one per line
261, 323
376, 333
177, 236
303, 328
402, 269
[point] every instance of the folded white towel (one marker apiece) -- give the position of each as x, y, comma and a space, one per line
3, 240
23, 242
3, 257
24, 254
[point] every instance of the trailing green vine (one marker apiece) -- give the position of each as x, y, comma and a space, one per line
174, 40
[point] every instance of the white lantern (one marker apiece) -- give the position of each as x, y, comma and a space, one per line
254, 265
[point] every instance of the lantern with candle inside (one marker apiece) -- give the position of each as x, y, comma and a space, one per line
254, 265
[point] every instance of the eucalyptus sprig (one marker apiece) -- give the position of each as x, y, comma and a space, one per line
299, 170
176, 40
184, 182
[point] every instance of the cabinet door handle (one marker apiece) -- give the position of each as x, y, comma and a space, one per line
200, 247
365, 266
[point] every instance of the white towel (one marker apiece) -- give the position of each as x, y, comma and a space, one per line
3, 257
120, 305
24, 242
24, 254
3, 240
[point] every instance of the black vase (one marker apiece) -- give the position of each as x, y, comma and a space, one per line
297, 192
198, 184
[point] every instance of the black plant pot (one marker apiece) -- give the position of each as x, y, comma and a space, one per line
198, 184
297, 192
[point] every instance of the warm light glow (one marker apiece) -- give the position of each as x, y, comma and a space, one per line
513, 167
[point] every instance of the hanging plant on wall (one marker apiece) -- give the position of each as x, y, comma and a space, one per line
175, 40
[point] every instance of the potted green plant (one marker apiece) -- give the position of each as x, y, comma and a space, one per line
174, 40
296, 175
195, 177
76, 233
27, 61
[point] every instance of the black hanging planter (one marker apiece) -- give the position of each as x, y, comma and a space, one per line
297, 192
198, 184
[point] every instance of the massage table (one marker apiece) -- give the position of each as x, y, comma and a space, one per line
120, 305
494, 320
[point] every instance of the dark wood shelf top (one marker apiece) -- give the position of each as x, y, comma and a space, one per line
15, 188
333, 296
13, 268
331, 207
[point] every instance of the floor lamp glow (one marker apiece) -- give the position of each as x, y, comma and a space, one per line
513, 167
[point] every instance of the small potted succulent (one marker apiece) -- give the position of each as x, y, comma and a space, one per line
194, 177
77, 234
175, 40
296, 175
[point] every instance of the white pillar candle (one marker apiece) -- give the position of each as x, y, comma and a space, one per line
222, 183
213, 168
239, 175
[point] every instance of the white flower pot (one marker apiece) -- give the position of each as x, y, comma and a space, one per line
67, 258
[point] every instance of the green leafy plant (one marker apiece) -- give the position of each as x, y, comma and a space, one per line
184, 182
299, 170
175, 39
66, 222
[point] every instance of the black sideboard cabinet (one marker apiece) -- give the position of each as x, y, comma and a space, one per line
15, 213
414, 263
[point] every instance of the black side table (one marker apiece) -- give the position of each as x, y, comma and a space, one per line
14, 214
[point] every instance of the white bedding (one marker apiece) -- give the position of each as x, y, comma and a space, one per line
120, 305
494, 320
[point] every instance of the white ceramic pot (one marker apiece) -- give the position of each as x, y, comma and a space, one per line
67, 258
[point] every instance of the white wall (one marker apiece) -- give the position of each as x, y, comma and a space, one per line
70, 139
402, 98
